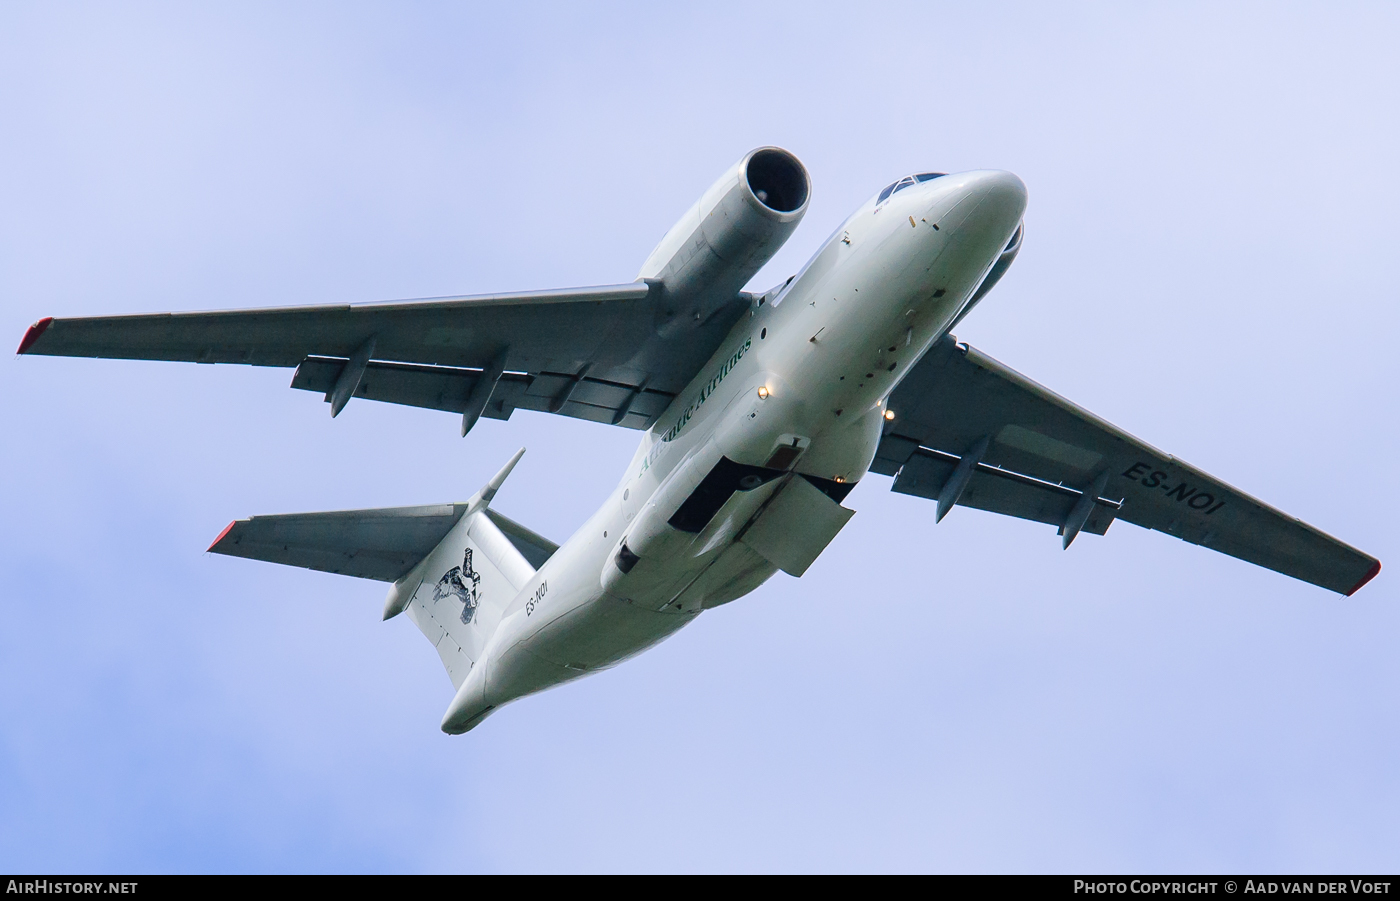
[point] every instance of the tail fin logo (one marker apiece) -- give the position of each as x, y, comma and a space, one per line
461, 582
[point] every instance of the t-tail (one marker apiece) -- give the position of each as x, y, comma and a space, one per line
455, 569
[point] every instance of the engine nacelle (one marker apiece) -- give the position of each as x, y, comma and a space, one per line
721, 242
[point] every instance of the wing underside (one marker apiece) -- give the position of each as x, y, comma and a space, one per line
450, 388
589, 353
595, 354
381, 544
1033, 454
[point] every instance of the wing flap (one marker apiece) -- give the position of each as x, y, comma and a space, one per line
431, 387
999, 491
448, 388
956, 396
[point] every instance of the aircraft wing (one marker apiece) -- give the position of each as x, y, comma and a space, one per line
590, 353
382, 544
1049, 460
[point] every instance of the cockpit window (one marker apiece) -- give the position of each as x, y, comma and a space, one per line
905, 182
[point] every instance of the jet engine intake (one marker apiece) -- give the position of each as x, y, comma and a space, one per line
722, 241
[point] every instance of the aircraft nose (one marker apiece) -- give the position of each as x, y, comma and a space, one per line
1001, 190
987, 202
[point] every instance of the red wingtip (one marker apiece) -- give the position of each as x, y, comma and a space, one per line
1370, 574
228, 528
33, 334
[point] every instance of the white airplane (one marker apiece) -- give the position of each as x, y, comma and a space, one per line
759, 414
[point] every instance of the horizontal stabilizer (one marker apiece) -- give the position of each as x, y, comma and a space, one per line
382, 544
534, 547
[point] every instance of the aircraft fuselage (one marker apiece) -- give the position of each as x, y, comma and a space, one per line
761, 413
796, 392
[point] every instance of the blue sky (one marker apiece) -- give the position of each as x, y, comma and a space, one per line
1208, 263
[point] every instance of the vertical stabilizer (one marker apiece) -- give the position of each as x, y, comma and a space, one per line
457, 595
464, 586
